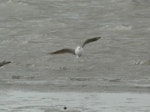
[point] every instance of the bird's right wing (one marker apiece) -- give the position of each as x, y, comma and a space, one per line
66, 50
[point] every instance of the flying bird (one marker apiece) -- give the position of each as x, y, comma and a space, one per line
78, 50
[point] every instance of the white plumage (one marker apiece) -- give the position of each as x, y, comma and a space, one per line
78, 51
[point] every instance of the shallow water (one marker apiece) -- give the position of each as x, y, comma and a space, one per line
23, 101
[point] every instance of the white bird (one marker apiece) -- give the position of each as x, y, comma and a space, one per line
78, 50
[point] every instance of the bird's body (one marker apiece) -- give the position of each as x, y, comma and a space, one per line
78, 50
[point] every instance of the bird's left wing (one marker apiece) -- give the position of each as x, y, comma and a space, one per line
90, 40
66, 50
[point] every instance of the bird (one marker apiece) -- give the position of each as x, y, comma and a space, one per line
78, 50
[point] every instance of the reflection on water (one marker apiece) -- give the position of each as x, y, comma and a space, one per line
21, 101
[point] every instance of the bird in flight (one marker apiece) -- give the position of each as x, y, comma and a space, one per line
78, 50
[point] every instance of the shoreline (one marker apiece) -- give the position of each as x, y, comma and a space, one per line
75, 88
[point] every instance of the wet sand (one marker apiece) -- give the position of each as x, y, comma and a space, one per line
26, 101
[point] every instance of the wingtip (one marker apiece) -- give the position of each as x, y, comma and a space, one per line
50, 53
4, 63
98, 37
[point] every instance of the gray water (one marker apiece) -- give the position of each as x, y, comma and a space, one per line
119, 62
31, 29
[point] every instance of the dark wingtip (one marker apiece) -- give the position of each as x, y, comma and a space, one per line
4, 63
98, 38
51, 53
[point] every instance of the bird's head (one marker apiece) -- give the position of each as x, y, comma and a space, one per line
78, 47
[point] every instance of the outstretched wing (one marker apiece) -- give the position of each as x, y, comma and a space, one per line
63, 51
90, 40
